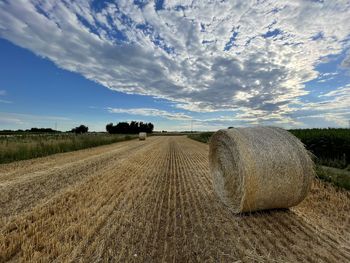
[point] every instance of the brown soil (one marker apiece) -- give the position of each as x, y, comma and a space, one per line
152, 201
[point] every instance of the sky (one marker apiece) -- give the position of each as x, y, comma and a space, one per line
209, 64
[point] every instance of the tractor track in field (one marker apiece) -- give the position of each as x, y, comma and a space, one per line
153, 201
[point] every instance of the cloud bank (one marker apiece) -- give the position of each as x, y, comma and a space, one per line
152, 112
253, 57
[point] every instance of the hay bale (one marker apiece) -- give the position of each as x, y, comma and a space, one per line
259, 168
142, 136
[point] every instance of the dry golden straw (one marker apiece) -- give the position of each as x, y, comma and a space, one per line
142, 136
259, 168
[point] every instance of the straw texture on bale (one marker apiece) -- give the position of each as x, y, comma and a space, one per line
142, 136
259, 168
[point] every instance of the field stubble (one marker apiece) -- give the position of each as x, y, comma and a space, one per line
153, 200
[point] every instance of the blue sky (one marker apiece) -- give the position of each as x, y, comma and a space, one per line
215, 64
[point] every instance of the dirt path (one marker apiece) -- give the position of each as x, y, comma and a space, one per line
153, 201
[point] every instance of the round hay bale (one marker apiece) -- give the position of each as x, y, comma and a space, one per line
142, 136
259, 168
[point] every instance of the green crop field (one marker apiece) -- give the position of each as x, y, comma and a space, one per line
330, 147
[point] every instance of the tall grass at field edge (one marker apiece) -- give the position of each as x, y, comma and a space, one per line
201, 137
18, 148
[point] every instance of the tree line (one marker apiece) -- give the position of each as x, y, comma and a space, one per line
133, 127
80, 129
32, 130
130, 128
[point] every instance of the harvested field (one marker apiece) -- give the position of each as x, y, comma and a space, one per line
152, 201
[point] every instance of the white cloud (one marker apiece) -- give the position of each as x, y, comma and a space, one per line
2, 92
236, 118
5, 101
32, 116
151, 112
346, 61
332, 109
341, 91
10, 120
202, 55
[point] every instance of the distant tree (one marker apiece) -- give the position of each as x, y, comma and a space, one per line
150, 127
133, 128
109, 127
143, 127
123, 127
80, 129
